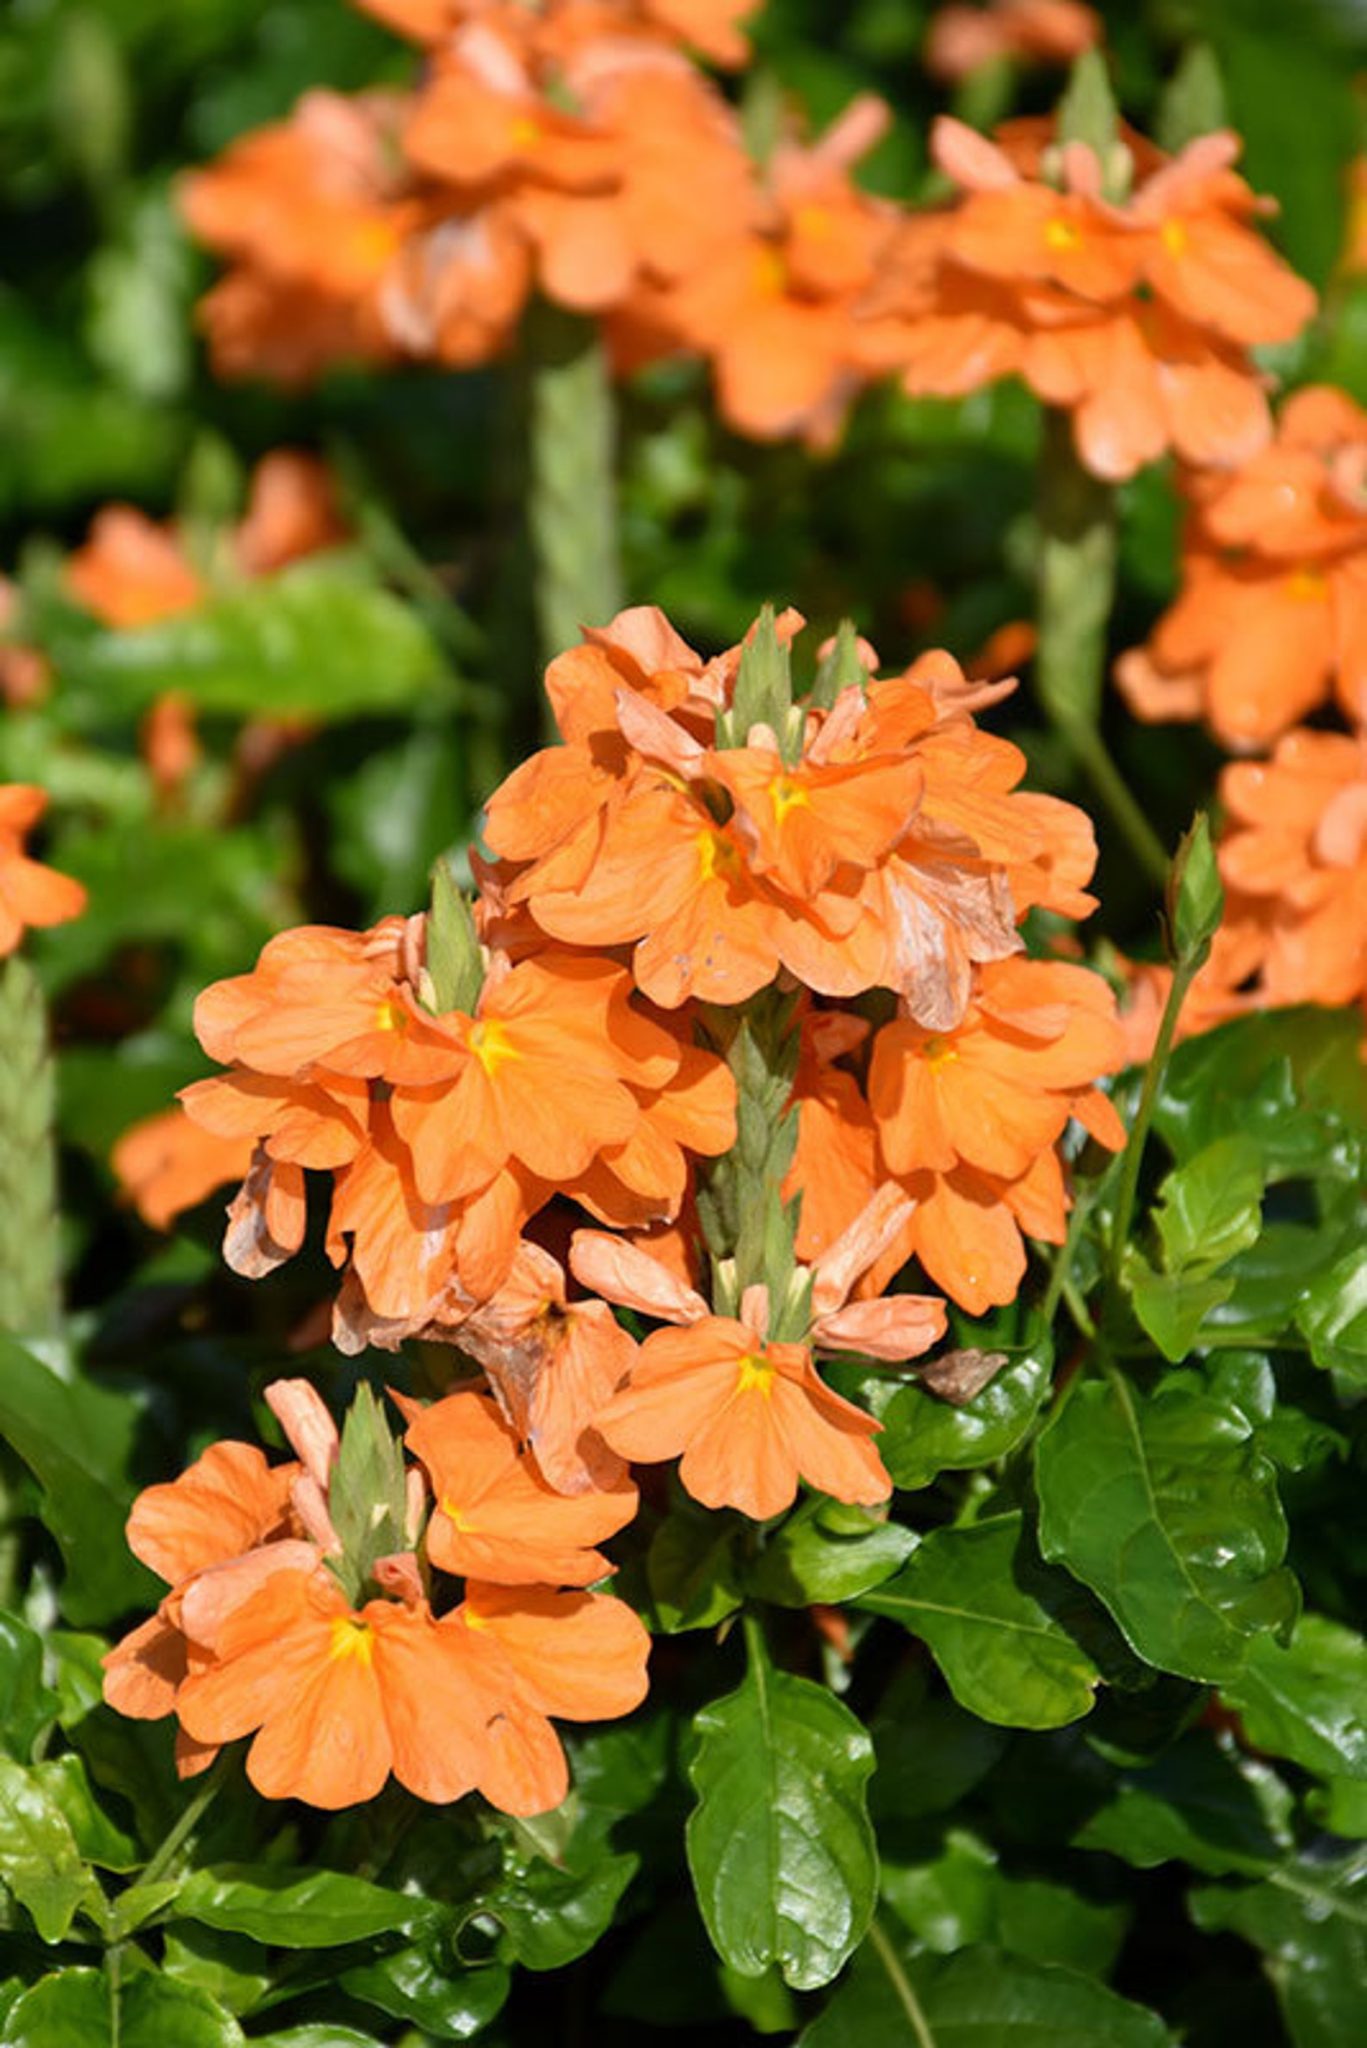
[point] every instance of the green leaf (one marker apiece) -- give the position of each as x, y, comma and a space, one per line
1210, 1208
553, 1916
924, 1435
314, 641
76, 1438
930, 1752
230, 1967
319, 2035
1307, 1699
410, 1985
946, 1902
1309, 1919
1172, 1307
72, 2009
1199, 1803
1166, 1509
805, 1560
30, 1705
979, 1998
779, 1844
1332, 1315
39, 1860
1291, 1079
691, 1567
97, 1838
1340, 1805
999, 1623
297, 1907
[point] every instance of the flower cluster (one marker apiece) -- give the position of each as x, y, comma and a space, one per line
575, 1049
1123, 285
359, 1616
1271, 622
569, 150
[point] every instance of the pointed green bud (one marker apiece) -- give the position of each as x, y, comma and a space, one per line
764, 684
1193, 101
1195, 895
366, 1495
841, 667
1088, 113
455, 965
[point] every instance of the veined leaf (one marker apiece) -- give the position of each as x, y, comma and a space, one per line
996, 1621
779, 1844
1307, 1699
1164, 1507
1309, 1919
297, 1907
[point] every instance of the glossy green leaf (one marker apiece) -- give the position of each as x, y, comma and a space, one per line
691, 1567
807, 1560
999, 1623
1199, 1803
39, 1860
1208, 1211
1340, 1805
1291, 1079
979, 1998
75, 2008
1307, 1699
930, 1752
229, 1967
410, 1984
1165, 1508
30, 1705
779, 1844
553, 1916
98, 1838
948, 1901
1332, 1314
298, 1908
924, 1435
76, 1438
314, 641
1309, 1920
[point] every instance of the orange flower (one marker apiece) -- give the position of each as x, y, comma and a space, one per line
495, 1517
131, 571
30, 894
1272, 616
166, 1164
962, 39
750, 1419
259, 1635
1136, 316
774, 310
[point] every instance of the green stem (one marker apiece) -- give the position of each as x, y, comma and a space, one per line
30, 1220
572, 491
1077, 574
901, 1984
1183, 975
181, 1830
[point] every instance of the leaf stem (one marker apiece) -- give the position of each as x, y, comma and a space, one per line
1183, 975
180, 1831
901, 1984
1076, 589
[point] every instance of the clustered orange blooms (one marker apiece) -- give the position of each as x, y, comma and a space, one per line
574, 150
346, 1662
1128, 292
30, 893
870, 845
1271, 622
962, 39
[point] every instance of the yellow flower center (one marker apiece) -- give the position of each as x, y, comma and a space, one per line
392, 1016
754, 1375
524, 131
459, 1521
352, 1637
786, 795
815, 221
1062, 234
771, 273
489, 1044
938, 1052
1175, 237
1306, 585
716, 856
